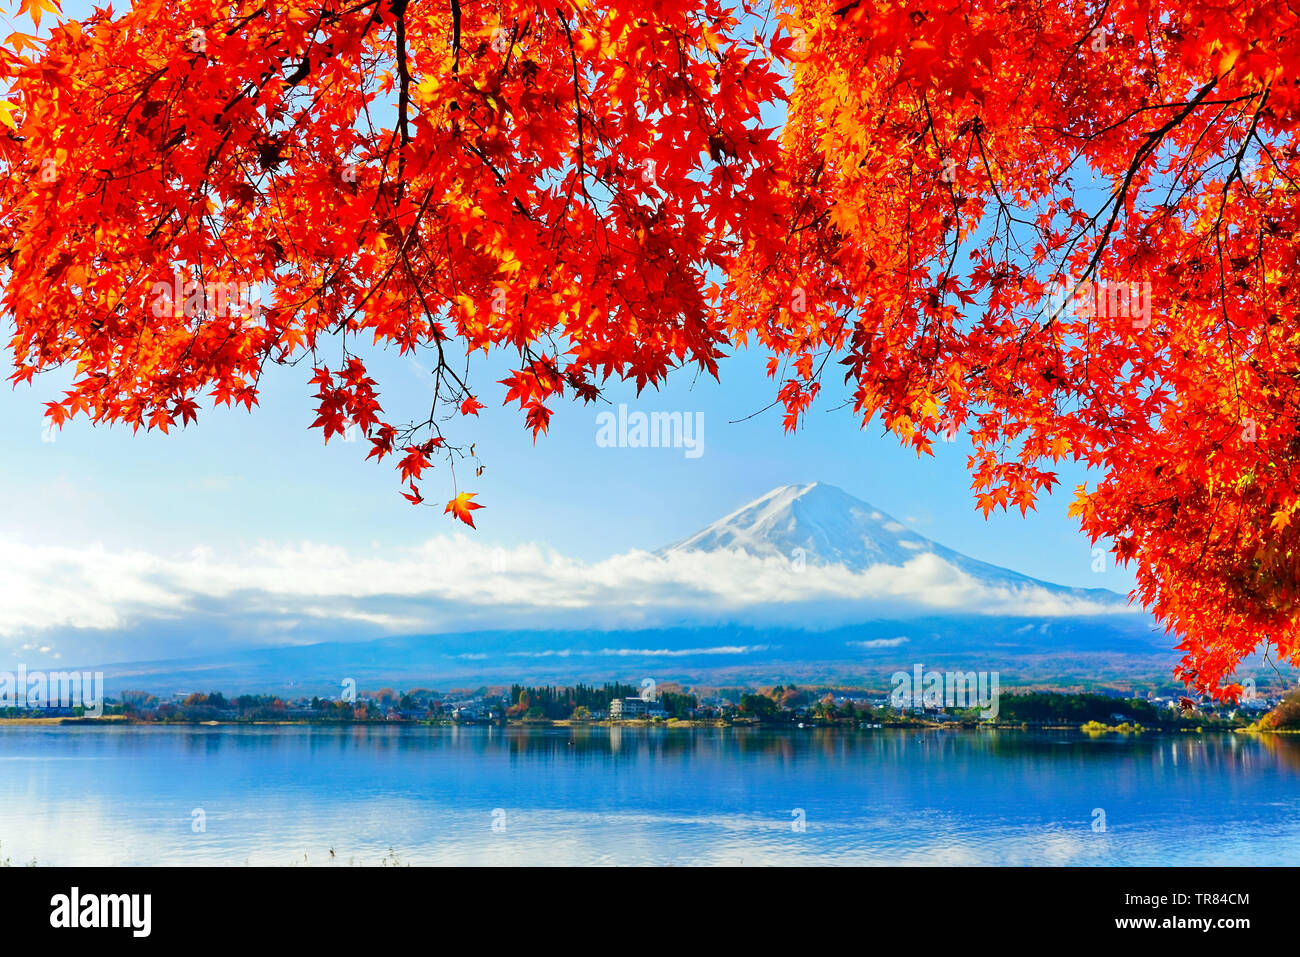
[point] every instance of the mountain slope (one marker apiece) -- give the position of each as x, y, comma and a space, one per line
1069, 652
832, 527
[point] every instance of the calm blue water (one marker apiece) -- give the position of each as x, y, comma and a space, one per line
287, 795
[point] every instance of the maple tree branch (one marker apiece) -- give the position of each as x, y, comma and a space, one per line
577, 107
1153, 140
403, 92
404, 81
455, 37
1233, 174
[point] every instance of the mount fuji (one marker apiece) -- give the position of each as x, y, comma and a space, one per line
805, 583
825, 526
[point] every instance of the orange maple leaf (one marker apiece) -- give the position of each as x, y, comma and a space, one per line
462, 507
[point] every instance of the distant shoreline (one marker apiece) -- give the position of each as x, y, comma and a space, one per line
1091, 730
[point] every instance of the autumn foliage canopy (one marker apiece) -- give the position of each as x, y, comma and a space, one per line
1065, 229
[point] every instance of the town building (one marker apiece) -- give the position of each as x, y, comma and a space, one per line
622, 709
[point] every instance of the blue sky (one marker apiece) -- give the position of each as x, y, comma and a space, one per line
235, 479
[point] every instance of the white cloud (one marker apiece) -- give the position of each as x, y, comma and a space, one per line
457, 582
623, 652
878, 643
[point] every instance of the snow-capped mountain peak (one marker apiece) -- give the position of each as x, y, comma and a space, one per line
824, 525
829, 525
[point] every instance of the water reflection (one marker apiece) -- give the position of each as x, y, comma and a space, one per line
632, 795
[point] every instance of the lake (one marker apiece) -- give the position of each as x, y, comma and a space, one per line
477, 795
